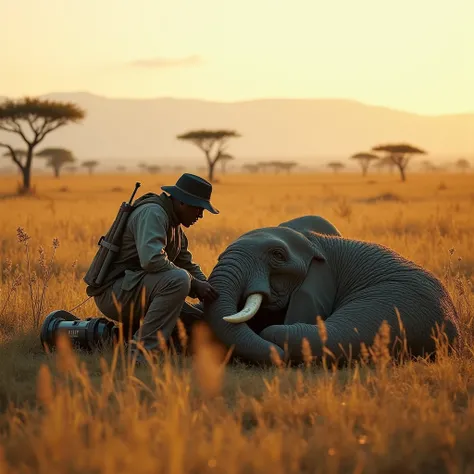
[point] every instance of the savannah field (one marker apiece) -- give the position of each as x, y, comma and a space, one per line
70, 413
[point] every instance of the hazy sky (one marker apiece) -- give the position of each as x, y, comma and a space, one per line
416, 55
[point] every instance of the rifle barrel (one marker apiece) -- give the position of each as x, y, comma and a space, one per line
137, 185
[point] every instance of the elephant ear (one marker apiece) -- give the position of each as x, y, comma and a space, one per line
315, 295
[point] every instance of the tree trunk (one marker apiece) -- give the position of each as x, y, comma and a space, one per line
56, 171
365, 167
26, 171
211, 172
402, 172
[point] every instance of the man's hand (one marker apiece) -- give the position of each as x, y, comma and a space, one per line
204, 290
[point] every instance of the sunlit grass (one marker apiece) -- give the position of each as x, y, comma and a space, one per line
93, 413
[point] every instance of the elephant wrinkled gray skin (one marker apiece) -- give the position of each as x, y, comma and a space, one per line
304, 268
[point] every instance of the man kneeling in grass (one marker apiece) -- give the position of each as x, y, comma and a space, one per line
154, 271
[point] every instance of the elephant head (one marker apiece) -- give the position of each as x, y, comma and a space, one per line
266, 277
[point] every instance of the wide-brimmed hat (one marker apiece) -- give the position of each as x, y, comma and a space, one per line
192, 190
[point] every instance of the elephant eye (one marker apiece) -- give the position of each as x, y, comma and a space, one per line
278, 254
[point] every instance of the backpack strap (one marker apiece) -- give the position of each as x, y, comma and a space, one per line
108, 245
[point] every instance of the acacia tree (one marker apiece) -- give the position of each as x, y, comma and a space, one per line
212, 142
336, 166
463, 164
287, 165
32, 119
364, 160
263, 166
399, 154
90, 165
57, 158
251, 167
275, 165
153, 169
278, 166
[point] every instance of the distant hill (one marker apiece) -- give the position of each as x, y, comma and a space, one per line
310, 131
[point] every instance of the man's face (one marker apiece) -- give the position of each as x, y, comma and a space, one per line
189, 215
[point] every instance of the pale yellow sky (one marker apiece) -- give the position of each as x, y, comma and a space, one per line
416, 55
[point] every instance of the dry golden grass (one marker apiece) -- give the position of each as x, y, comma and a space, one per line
94, 414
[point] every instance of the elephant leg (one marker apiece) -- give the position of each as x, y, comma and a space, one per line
355, 323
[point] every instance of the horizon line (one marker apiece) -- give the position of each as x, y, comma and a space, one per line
240, 101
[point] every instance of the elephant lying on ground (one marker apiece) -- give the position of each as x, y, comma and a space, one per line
274, 281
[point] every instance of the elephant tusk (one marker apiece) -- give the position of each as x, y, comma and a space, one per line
250, 309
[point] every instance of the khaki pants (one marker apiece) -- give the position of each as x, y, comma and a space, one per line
160, 306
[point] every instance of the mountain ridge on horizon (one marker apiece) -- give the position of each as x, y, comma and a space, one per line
287, 128
239, 101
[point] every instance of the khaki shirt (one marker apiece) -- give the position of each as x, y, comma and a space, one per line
153, 242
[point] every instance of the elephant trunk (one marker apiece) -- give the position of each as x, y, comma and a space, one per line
231, 281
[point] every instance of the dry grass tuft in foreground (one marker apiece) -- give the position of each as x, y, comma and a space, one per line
93, 413
191, 417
